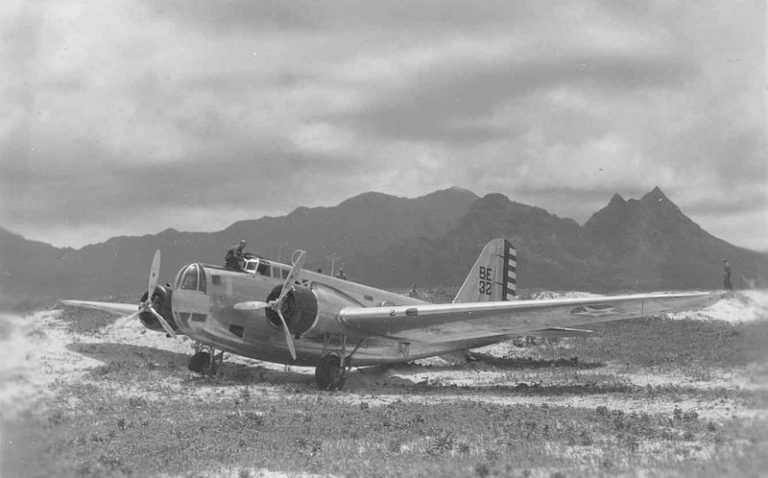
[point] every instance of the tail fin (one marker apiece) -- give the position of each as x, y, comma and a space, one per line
494, 275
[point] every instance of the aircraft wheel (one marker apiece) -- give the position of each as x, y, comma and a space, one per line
199, 362
329, 374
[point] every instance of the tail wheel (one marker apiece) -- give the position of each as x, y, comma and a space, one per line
329, 374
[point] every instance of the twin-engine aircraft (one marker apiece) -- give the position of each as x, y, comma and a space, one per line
285, 314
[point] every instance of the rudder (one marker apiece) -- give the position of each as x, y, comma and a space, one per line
494, 275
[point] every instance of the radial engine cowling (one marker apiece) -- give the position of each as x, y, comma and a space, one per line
306, 309
161, 302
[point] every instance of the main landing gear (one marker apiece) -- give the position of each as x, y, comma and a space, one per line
204, 360
330, 373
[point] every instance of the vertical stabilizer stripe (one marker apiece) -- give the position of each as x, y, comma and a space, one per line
510, 272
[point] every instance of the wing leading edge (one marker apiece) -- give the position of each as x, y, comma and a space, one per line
113, 307
444, 322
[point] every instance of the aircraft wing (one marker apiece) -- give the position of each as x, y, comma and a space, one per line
446, 322
113, 307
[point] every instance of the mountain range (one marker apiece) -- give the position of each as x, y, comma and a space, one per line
393, 242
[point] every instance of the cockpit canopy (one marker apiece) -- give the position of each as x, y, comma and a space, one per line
258, 266
262, 267
191, 277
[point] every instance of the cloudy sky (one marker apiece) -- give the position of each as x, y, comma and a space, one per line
127, 117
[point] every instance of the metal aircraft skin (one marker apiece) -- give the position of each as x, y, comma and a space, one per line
285, 314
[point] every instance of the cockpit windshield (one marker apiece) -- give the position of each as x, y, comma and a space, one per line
191, 277
258, 266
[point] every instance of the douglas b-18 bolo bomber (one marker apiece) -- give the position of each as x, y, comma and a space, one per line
285, 314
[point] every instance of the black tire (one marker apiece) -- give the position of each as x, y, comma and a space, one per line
329, 374
199, 362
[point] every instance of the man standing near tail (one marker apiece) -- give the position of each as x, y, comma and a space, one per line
727, 285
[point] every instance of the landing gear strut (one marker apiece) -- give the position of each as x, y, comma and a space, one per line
204, 360
331, 372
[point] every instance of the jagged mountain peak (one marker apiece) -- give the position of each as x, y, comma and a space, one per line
617, 201
661, 206
653, 204
656, 194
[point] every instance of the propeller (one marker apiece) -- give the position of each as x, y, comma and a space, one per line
284, 290
277, 304
147, 306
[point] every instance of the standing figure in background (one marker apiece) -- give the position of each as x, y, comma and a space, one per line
727, 285
341, 274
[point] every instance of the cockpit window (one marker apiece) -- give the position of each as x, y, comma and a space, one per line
263, 268
192, 278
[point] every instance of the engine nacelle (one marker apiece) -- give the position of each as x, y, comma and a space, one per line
161, 301
306, 309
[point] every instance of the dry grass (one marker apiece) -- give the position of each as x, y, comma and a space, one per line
101, 435
149, 416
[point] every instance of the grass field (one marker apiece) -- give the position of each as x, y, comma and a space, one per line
653, 396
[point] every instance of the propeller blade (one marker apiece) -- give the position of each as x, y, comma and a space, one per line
288, 283
133, 315
288, 338
153, 275
162, 321
251, 305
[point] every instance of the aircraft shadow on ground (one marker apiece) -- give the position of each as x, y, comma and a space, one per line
505, 363
382, 380
236, 374
115, 352
369, 379
229, 374
395, 385
530, 363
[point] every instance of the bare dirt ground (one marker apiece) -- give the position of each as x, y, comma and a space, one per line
43, 355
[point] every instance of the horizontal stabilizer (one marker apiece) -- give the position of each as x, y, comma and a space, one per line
560, 332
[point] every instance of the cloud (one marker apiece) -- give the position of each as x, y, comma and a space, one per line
204, 112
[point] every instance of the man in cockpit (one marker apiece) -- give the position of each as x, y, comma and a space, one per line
235, 256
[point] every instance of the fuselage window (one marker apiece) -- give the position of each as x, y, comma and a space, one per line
190, 278
263, 268
276, 272
284, 273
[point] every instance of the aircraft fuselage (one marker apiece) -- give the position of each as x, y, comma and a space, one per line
204, 297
